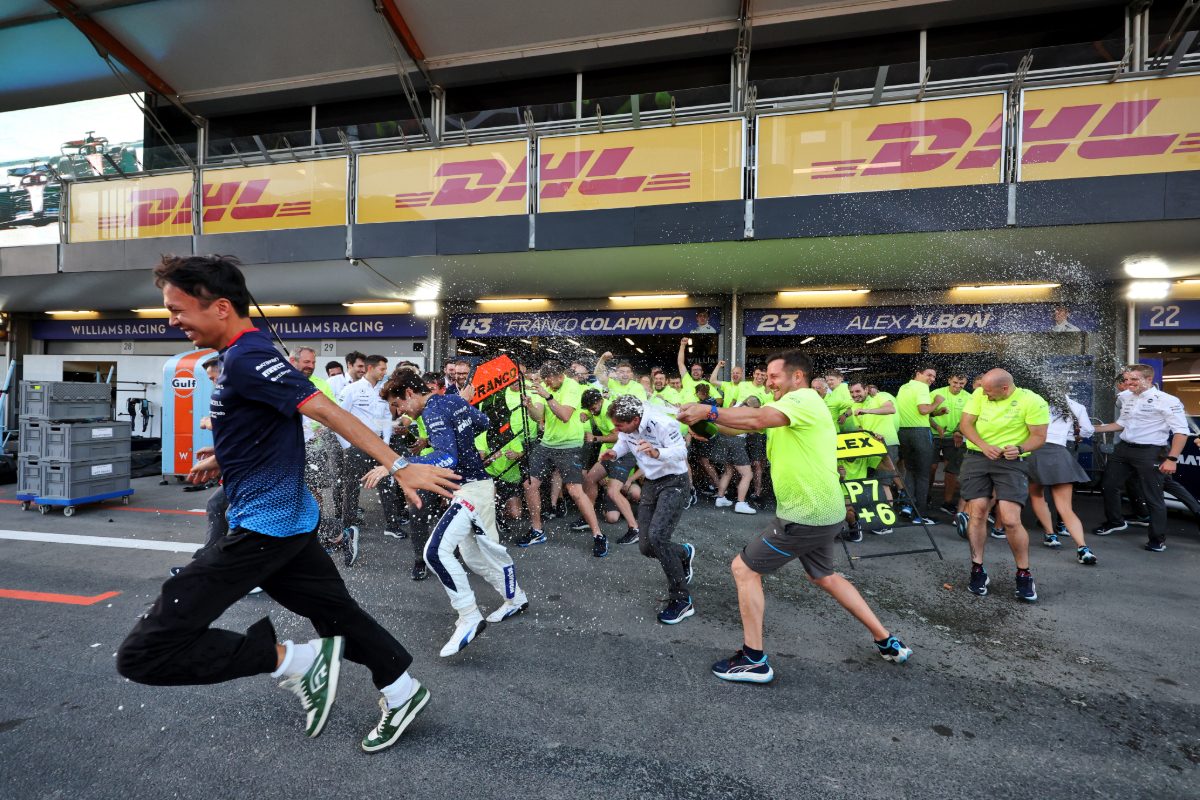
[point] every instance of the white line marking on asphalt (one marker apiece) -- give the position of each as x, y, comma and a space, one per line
99, 541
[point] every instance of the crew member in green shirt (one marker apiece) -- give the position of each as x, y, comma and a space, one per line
838, 400
561, 448
947, 440
1002, 425
913, 406
621, 381
732, 389
801, 445
877, 415
691, 377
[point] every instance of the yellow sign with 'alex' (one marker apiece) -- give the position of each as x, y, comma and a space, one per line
858, 445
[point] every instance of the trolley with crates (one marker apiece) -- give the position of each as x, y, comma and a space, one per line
72, 452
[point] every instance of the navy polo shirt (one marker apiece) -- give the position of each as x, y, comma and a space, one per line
259, 439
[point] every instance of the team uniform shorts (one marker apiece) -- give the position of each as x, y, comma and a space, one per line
756, 446
980, 476
568, 461
619, 470
785, 541
944, 450
732, 451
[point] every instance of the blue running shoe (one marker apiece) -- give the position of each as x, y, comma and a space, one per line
1085, 556
997, 533
676, 612
960, 524
1051, 540
687, 560
979, 582
739, 668
534, 536
1026, 589
600, 546
893, 650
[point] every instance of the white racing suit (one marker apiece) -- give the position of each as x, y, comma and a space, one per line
469, 524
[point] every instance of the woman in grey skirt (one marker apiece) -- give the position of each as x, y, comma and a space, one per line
1053, 465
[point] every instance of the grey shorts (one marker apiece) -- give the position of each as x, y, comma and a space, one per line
980, 476
732, 451
706, 448
756, 446
784, 541
567, 460
944, 450
619, 470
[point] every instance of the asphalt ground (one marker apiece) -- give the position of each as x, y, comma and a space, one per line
1088, 693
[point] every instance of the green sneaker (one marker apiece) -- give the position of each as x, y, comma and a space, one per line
317, 688
394, 721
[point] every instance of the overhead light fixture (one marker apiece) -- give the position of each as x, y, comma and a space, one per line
483, 301
590, 350
526, 341
376, 305
640, 350
634, 298
476, 341
1188, 281
1148, 290
631, 343
277, 307
876, 339
1147, 268
82, 312
821, 292
466, 352
550, 350
159, 311
1006, 287
425, 308
572, 341
809, 339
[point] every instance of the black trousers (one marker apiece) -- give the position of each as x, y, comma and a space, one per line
173, 645
1142, 463
658, 513
916, 451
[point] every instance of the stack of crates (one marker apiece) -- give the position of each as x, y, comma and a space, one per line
72, 451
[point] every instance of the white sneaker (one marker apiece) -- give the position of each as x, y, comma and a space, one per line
465, 632
724, 502
744, 508
509, 608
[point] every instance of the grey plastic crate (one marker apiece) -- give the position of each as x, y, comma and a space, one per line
66, 400
86, 441
33, 436
73, 480
29, 476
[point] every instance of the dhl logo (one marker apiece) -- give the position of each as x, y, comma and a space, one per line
476, 181
237, 200
1109, 134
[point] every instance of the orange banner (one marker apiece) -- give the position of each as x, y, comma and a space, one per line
646, 167
1123, 128
482, 180
492, 377
305, 194
906, 146
139, 208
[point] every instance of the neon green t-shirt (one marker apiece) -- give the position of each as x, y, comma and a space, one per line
688, 393
838, 401
605, 424
615, 389
667, 396
911, 395
1004, 422
804, 461
423, 433
883, 424
955, 403
734, 393
559, 434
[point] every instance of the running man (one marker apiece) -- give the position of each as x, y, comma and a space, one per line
469, 523
654, 440
259, 451
1002, 425
802, 447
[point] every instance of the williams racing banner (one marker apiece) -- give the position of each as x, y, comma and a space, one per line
137, 208
876, 320
681, 321
483, 180
1111, 129
357, 326
691, 163
905, 146
305, 194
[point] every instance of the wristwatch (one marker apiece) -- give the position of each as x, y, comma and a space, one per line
400, 463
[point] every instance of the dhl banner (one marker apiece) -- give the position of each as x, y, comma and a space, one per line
482, 180
1111, 129
138, 208
907, 146
305, 194
650, 166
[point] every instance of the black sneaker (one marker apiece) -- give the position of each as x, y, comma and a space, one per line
1156, 547
1061, 529
175, 571
1110, 528
893, 650
676, 612
692, 500
600, 546
1141, 520
688, 557
1085, 556
350, 545
580, 525
853, 534
979, 582
532, 537
739, 668
1026, 589
949, 508
419, 571
997, 533
630, 536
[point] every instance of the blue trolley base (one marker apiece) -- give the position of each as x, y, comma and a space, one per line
69, 504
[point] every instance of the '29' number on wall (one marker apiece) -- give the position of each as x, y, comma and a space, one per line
1164, 316
777, 323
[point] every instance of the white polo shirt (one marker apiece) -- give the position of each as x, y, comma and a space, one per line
1062, 429
662, 432
1151, 417
363, 401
